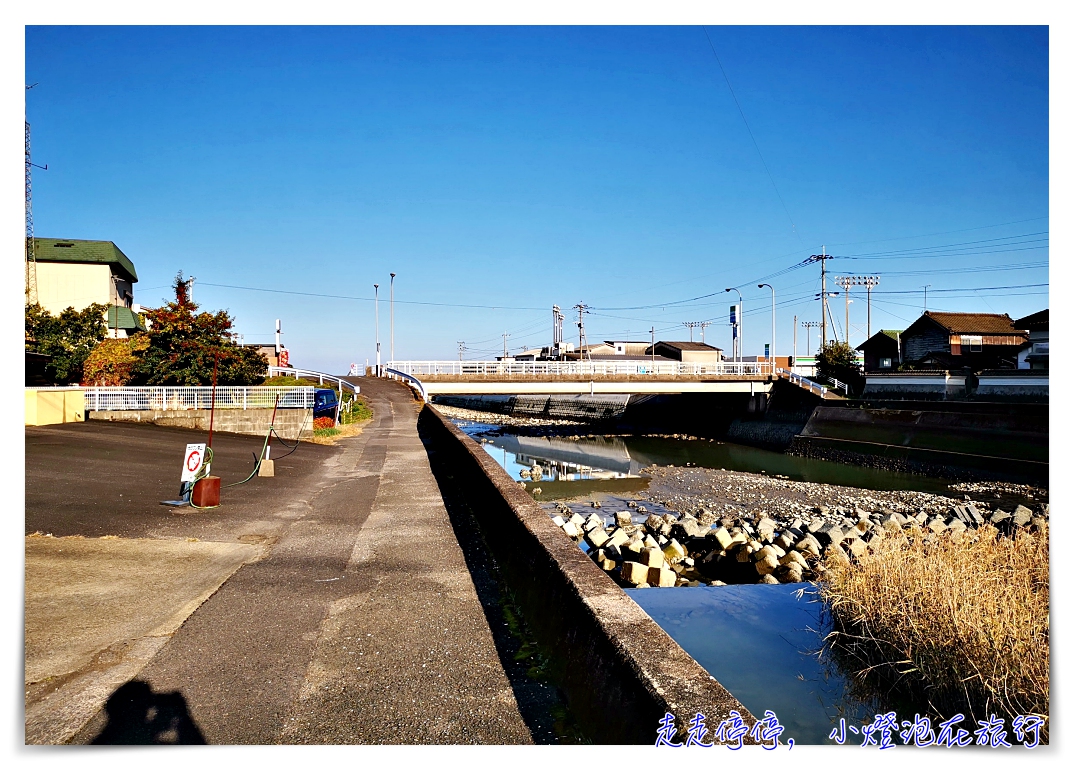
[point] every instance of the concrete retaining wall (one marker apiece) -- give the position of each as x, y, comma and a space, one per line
251, 422
620, 672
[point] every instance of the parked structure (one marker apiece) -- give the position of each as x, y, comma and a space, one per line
72, 273
959, 340
881, 351
1034, 353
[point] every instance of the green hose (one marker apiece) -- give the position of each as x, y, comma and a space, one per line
201, 473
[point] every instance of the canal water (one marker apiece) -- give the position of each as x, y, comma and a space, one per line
761, 642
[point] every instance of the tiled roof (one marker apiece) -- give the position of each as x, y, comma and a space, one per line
974, 323
127, 319
98, 252
1034, 322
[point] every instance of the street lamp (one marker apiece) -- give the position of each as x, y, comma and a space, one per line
391, 314
376, 314
773, 350
736, 344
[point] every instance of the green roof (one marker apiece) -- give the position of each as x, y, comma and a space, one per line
893, 333
96, 252
128, 319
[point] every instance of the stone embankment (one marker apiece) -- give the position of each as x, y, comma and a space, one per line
705, 547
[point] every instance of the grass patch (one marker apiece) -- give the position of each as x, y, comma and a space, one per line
961, 626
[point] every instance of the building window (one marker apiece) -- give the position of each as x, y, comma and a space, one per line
973, 343
885, 363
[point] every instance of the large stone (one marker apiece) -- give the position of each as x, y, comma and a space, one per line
687, 528
768, 579
816, 525
790, 573
622, 518
1022, 516
739, 538
662, 577
654, 524
793, 557
571, 529
999, 517
577, 520
592, 522
785, 540
974, 514
558, 521
649, 542
633, 572
766, 528
936, 525
836, 554
809, 545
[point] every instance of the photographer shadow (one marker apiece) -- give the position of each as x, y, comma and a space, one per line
139, 716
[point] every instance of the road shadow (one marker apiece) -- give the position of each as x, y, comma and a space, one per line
139, 716
540, 704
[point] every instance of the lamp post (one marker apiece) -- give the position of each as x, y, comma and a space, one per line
773, 350
376, 314
391, 314
736, 344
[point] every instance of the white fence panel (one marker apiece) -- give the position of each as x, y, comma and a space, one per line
169, 398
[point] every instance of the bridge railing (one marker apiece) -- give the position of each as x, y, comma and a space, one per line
804, 382
409, 379
583, 368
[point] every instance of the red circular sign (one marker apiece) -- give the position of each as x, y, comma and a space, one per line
193, 460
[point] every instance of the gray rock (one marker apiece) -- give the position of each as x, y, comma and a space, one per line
1022, 516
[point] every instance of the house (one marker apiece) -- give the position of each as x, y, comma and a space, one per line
73, 273
956, 340
1034, 353
622, 348
269, 352
881, 351
687, 352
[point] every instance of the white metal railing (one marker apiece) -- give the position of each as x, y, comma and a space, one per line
551, 368
804, 382
414, 382
161, 397
336, 382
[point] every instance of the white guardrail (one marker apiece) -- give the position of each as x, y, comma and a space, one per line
336, 382
170, 397
412, 381
805, 382
538, 368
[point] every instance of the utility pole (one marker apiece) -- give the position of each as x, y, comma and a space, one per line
190, 289
652, 344
868, 281
794, 354
822, 258
582, 309
31, 243
505, 336
703, 324
690, 325
926, 308
391, 318
809, 325
462, 347
277, 339
376, 315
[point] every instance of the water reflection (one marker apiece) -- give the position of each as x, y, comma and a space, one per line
761, 642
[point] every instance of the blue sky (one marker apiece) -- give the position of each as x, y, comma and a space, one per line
500, 170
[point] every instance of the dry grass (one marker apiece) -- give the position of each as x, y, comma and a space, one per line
962, 625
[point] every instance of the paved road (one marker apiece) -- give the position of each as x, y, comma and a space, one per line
373, 618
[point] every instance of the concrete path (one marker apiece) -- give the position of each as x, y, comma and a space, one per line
363, 624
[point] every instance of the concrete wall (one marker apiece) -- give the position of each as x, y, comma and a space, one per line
61, 285
251, 422
1014, 385
51, 406
620, 672
912, 385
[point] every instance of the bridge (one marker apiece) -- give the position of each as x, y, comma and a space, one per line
433, 378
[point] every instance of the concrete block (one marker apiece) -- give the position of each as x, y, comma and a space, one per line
267, 469
652, 557
768, 579
571, 529
674, 552
663, 578
722, 536
622, 518
577, 520
767, 565
618, 537
857, 547
654, 524
597, 537
593, 521
558, 521
633, 572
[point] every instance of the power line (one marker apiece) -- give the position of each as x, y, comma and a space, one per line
366, 299
750, 130
945, 232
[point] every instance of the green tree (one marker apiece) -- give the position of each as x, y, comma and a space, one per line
837, 360
68, 338
184, 345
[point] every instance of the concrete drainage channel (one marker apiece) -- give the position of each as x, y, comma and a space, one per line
618, 670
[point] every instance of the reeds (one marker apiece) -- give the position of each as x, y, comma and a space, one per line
960, 625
